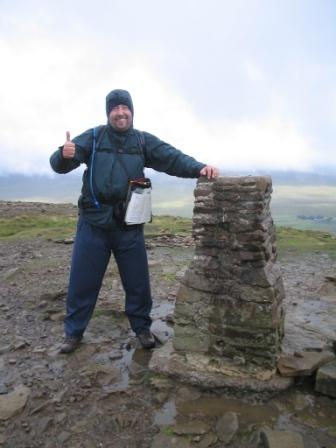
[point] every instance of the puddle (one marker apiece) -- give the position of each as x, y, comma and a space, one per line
141, 357
248, 413
316, 421
132, 365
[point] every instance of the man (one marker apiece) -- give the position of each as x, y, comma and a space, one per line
116, 155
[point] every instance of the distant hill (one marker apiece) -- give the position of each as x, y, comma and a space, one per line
294, 194
171, 195
58, 188
17, 187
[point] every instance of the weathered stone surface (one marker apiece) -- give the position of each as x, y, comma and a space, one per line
211, 372
189, 338
229, 302
207, 440
3, 388
191, 428
281, 439
163, 440
227, 426
326, 379
303, 363
229, 320
14, 402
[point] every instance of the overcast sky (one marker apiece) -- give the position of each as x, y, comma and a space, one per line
243, 84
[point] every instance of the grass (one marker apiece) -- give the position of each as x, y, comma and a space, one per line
30, 226
165, 224
305, 241
288, 202
56, 227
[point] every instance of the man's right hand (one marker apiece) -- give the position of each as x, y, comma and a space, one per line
68, 147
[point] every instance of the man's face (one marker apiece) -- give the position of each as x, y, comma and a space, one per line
120, 118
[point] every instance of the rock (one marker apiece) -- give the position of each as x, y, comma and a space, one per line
163, 440
13, 403
44, 423
191, 428
65, 241
326, 379
195, 370
63, 437
57, 367
99, 374
56, 317
328, 288
227, 426
334, 346
115, 354
40, 407
19, 344
208, 440
3, 388
281, 439
161, 383
53, 295
39, 349
302, 401
10, 273
303, 365
61, 417
5, 349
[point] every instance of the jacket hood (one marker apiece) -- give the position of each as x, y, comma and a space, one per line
117, 97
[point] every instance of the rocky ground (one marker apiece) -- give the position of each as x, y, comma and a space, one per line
104, 395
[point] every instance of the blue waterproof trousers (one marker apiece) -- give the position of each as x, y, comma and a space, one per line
91, 253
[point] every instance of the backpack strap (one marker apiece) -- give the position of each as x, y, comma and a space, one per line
97, 135
100, 131
140, 142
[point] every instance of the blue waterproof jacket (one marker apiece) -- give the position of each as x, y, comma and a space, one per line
106, 177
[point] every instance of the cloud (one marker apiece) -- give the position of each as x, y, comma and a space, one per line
253, 71
46, 106
266, 142
205, 80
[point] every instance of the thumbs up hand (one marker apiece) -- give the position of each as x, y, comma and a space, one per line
68, 147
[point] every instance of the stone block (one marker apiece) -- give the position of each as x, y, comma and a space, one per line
264, 277
203, 371
227, 426
208, 283
305, 364
281, 439
229, 302
326, 379
206, 218
250, 293
14, 402
191, 339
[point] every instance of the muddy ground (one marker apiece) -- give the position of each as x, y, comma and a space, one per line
104, 395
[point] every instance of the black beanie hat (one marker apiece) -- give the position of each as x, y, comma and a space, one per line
117, 97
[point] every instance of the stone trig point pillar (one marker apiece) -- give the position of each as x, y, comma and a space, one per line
228, 317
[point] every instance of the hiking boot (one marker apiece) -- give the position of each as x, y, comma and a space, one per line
70, 344
146, 339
